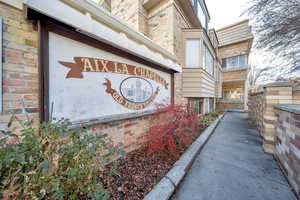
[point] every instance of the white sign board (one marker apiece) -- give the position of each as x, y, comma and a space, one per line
87, 83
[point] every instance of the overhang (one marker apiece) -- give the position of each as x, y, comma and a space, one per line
189, 11
89, 18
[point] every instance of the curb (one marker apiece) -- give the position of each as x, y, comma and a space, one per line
237, 110
166, 187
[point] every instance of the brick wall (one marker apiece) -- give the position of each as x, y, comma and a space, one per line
287, 143
296, 92
128, 11
261, 108
160, 25
130, 133
180, 22
257, 108
20, 72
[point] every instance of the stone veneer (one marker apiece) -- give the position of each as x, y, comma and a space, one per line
261, 108
287, 142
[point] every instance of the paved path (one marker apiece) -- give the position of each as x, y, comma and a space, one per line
232, 166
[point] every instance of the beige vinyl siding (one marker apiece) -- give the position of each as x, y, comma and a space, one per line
197, 83
233, 76
234, 33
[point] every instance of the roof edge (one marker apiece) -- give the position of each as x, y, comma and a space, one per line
231, 25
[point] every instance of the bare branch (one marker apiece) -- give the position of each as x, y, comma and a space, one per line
277, 27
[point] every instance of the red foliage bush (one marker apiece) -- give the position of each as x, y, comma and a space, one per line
175, 128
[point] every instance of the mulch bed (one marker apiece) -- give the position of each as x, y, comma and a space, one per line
138, 172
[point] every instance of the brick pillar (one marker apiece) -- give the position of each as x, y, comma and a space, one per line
296, 92
287, 141
274, 95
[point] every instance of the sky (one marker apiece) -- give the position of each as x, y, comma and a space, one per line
225, 12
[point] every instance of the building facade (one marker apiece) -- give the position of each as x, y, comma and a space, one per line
235, 46
105, 65
181, 27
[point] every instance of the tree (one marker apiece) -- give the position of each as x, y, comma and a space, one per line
276, 24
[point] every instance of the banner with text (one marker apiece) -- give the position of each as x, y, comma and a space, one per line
89, 83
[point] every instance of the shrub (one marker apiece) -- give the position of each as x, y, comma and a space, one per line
207, 119
55, 162
175, 128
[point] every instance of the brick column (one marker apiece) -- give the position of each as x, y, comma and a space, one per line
274, 94
287, 143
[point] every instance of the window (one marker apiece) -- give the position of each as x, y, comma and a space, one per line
201, 15
208, 60
192, 58
196, 105
234, 62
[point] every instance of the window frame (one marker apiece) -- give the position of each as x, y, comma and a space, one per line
197, 6
196, 105
226, 66
204, 43
204, 59
211, 104
186, 53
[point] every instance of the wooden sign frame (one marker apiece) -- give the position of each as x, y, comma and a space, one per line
46, 25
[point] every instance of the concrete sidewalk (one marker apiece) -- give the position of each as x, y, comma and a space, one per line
233, 166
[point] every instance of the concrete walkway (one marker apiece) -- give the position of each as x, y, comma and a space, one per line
233, 166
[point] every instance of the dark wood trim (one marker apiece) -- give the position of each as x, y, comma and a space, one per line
43, 66
74, 35
173, 88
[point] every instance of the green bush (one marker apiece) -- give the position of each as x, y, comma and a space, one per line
207, 119
55, 162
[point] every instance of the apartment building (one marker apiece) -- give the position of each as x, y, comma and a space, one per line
105, 64
235, 42
181, 27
